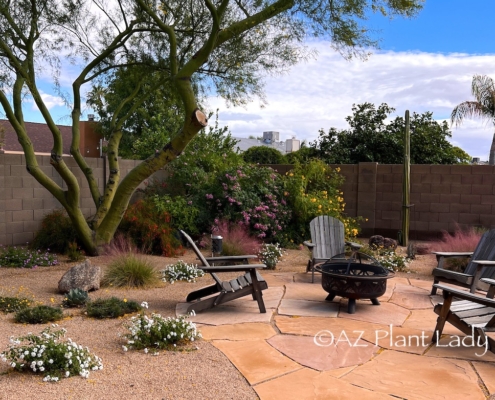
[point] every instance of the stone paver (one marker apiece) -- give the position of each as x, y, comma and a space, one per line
306, 291
248, 331
256, 359
307, 308
324, 353
426, 285
278, 279
487, 374
307, 384
384, 314
399, 338
223, 315
417, 377
411, 297
306, 278
271, 298
460, 347
325, 326
426, 320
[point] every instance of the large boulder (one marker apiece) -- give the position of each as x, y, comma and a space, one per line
83, 276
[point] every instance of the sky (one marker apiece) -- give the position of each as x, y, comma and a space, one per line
423, 64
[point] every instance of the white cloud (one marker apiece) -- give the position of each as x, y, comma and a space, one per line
320, 93
49, 100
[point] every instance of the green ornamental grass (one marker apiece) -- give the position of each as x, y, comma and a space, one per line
130, 270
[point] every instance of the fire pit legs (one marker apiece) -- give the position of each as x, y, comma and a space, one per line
351, 306
375, 302
330, 297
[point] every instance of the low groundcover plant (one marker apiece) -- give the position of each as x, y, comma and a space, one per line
156, 332
47, 355
181, 271
20, 257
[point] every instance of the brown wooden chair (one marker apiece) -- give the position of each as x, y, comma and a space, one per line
327, 241
250, 283
471, 314
472, 276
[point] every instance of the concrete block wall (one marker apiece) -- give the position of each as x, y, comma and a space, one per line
24, 202
444, 197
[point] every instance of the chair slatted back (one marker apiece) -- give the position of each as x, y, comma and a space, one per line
327, 233
485, 250
200, 256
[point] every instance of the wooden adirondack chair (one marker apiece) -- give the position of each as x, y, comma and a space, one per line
327, 241
472, 314
475, 270
251, 283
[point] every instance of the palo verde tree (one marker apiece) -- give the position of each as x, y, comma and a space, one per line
220, 46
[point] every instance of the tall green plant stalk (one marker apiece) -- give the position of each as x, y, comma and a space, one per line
406, 187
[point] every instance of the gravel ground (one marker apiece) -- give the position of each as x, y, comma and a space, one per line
203, 372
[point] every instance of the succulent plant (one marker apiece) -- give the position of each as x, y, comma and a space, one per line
75, 298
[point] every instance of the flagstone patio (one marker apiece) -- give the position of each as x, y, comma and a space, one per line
307, 348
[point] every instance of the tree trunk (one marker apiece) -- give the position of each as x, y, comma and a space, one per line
492, 152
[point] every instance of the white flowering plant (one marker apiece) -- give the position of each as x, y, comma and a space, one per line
270, 254
181, 271
150, 333
47, 355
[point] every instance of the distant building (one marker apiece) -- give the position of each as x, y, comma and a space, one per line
269, 139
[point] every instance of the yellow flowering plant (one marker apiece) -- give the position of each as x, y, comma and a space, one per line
313, 189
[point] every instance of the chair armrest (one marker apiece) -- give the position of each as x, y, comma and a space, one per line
232, 268
309, 245
442, 255
449, 291
354, 245
491, 290
232, 259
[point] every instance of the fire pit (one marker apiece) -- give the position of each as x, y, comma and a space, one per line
360, 277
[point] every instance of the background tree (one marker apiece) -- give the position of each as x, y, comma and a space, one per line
263, 155
483, 90
224, 46
371, 139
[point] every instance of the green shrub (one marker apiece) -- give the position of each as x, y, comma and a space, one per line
13, 304
311, 190
56, 233
46, 355
20, 257
111, 308
183, 214
181, 271
75, 298
130, 270
38, 315
150, 229
156, 332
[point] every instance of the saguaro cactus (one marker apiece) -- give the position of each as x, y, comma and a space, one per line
406, 183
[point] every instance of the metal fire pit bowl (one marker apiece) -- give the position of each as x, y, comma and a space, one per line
359, 278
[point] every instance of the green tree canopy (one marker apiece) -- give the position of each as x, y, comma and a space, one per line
175, 48
263, 155
371, 139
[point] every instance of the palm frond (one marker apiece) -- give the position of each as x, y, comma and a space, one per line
469, 109
483, 89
